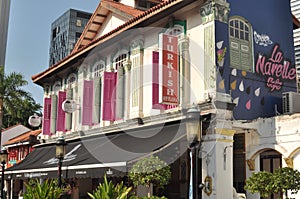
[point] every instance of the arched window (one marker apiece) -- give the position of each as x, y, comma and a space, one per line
56, 87
98, 69
176, 30
241, 44
71, 80
119, 60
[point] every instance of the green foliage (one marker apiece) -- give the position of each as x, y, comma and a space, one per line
107, 190
260, 182
47, 190
266, 183
285, 179
150, 170
17, 103
151, 197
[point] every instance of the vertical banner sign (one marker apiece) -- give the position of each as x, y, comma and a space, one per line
168, 78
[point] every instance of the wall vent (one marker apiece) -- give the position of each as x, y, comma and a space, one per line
291, 102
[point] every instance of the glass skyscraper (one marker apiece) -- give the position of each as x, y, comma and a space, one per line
65, 31
295, 6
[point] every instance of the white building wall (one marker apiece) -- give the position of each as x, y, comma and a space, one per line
151, 44
281, 133
112, 22
196, 36
128, 2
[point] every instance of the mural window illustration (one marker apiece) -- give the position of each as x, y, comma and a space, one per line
241, 44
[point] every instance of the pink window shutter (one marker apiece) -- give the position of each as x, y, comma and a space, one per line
109, 96
87, 109
61, 115
46, 116
155, 82
155, 85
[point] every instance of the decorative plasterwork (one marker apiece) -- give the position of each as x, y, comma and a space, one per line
251, 164
127, 65
136, 46
227, 132
289, 162
215, 10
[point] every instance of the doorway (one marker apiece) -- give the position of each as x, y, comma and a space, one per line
270, 161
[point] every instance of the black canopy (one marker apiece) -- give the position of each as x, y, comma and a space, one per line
93, 156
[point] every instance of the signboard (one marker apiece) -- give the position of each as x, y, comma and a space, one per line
168, 69
69, 106
34, 120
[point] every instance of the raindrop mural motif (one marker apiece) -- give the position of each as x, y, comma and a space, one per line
233, 85
241, 87
257, 92
248, 105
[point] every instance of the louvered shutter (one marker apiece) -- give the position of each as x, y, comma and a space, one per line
46, 116
61, 115
109, 96
53, 114
97, 100
155, 81
120, 93
87, 103
68, 123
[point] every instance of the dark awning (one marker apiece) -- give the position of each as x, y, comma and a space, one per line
93, 156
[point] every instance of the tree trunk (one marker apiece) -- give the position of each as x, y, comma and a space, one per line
149, 190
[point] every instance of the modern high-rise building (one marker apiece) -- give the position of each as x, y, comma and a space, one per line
4, 16
65, 31
295, 6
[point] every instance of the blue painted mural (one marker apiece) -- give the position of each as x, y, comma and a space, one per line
255, 56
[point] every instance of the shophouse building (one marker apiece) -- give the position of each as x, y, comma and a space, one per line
124, 91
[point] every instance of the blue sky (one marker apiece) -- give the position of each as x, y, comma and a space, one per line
29, 36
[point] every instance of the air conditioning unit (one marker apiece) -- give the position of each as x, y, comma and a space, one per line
290, 102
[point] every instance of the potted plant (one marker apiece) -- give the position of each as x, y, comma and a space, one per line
149, 171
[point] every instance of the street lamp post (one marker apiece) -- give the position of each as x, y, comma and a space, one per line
60, 154
194, 133
3, 160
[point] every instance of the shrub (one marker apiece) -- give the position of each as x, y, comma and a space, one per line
281, 181
150, 170
107, 190
48, 189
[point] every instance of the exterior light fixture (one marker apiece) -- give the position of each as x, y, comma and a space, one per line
193, 127
194, 134
60, 154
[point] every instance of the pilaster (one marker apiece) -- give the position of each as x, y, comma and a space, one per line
217, 162
215, 10
185, 75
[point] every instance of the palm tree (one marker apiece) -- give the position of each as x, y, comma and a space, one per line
13, 96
